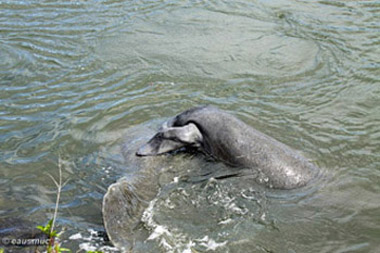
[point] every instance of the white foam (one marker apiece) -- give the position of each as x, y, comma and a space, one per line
158, 231
188, 247
87, 247
223, 222
76, 236
169, 204
210, 244
165, 244
92, 242
171, 239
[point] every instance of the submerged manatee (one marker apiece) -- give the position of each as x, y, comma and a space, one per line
126, 199
228, 139
206, 129
123, 206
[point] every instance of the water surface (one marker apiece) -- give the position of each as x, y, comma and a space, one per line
77, 76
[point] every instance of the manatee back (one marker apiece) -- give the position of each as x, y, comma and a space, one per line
230, 140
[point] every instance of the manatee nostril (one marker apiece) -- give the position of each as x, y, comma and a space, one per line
144, 150
140, 152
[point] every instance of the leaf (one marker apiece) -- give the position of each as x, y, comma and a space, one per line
46, 229
43, 229
63, 249
40, 228
53, 234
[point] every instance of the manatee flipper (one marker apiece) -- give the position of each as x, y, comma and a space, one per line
119, 206
123, 206
126, 200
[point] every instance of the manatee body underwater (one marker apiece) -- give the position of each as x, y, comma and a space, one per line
214, 133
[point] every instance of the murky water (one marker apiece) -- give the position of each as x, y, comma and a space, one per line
76, 77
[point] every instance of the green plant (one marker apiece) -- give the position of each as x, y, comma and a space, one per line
54, 246
47, 229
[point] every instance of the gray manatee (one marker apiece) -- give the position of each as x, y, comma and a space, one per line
231, 141
126, 200
215, 133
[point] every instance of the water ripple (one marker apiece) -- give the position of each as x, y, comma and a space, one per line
75, 75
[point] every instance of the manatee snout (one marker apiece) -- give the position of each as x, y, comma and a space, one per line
171, 139
145, 150
158, 145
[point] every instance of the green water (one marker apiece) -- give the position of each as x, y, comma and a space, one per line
77, 76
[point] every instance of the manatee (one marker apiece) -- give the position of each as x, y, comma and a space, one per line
226, 138
126, 200
216, 134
